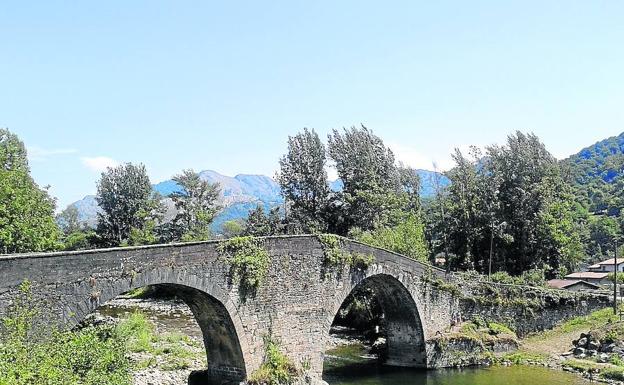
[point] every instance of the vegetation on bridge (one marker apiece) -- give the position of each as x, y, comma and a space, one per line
248, 260
337, 256
277, 368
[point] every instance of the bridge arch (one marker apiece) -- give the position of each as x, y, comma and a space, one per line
213, 310
401, 319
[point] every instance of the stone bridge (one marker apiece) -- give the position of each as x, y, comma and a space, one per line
295, 304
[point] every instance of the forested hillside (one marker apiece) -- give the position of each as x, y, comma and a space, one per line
598, 173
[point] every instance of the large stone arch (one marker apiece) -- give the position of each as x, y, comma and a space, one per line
402, 320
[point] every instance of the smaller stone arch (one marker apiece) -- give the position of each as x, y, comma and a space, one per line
402, 322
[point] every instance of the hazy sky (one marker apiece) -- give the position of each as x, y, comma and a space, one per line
221, 85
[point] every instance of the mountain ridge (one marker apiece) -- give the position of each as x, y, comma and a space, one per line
239, 195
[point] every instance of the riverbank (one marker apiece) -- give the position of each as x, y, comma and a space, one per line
599, 359
558, 348
166, 345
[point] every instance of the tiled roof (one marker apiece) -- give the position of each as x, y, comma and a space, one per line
587, 275
611, 262
563, 283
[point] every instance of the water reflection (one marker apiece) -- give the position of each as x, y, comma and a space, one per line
372, 374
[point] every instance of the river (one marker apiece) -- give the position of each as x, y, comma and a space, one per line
352, 366
370, 374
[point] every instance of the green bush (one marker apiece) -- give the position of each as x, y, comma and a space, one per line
502, 277
277, 368
91, 356
248, 260
616, 374
532, 277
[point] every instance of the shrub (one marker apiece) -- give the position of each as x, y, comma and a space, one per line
277, 368
248, 260
91, 356
502, 277
533, 277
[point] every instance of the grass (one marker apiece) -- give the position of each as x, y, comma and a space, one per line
616, 374
168, 351
581, 365
548, 345
483, 331
559, 339
352, 352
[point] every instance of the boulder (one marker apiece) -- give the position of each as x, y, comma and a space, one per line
578, 351
593, 345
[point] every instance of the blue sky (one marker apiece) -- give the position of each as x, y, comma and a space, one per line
220, 85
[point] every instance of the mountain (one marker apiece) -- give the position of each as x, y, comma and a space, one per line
241, 188
87, 210
239, 195
602, 161
428, 180
597, 172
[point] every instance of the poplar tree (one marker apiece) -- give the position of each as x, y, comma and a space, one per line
303, 181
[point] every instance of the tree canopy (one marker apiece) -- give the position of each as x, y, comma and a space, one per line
26, 210
124, 194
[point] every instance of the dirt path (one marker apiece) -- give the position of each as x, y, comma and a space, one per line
552, 343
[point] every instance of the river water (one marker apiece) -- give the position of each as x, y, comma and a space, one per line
515, 375
347, 370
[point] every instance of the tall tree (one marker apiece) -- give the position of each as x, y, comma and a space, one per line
512, 205
259, 224
368, 172
303, 181
410, 184
26, 211
196, 205
124, 193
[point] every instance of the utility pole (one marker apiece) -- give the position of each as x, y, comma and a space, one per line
615, 281
491, 248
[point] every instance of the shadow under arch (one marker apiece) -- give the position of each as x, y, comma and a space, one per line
226, 363
400, 322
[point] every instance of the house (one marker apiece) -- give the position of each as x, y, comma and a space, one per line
592, 277
572, 285
607, 266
